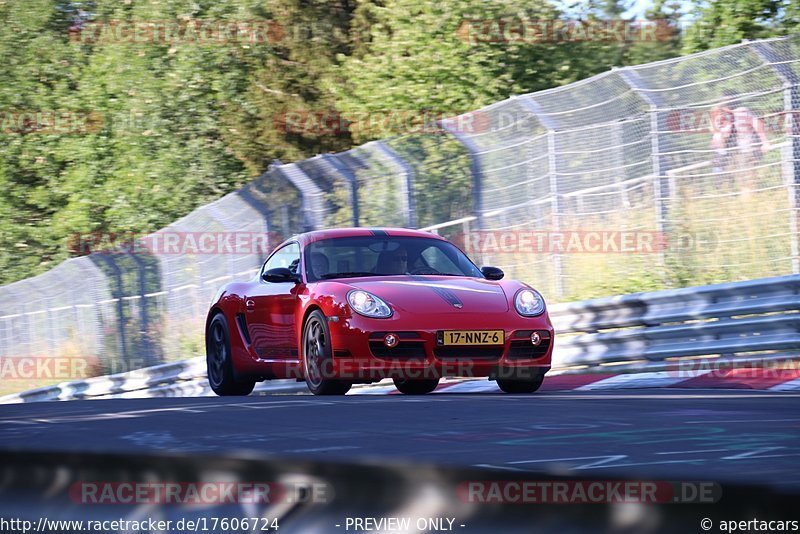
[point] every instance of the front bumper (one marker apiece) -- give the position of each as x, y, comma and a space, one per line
360, 354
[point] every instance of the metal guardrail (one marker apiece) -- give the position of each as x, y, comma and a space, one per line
756, 319
149, 378
744, 322
175, 379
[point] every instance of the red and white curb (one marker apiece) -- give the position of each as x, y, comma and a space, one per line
746, 378
765, 379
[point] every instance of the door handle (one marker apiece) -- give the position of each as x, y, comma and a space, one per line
250, 304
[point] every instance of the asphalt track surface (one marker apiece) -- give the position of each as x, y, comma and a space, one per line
731, 436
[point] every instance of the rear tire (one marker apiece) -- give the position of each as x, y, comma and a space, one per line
510, 385
218, 361
415, 387
318, 357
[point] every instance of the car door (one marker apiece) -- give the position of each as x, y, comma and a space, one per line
270, 309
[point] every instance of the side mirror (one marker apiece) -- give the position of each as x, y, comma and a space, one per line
492, 273
280, 274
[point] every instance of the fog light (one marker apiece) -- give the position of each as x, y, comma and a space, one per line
536, 339
390, 340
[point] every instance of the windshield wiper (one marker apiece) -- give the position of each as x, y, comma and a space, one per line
349, 274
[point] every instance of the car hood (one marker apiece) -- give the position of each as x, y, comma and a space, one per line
437, 294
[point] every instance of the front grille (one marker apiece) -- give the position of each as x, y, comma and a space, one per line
525, 350
405, 350
469, 353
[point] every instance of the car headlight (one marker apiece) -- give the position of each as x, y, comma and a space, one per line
368, 304
529, 303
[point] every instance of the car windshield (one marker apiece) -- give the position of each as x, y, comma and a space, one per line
345, 257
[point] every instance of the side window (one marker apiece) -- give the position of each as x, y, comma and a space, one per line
288, 256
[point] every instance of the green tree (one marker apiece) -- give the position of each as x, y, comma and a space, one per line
40, 73
286, 111
724, 22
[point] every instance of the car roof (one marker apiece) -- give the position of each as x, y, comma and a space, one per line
317, 235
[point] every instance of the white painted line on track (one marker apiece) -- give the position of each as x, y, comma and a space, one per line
601, 460
694, 452
752, 454
742, 421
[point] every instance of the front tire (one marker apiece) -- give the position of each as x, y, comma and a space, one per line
318, 357
218, 361
415, 387
510, 385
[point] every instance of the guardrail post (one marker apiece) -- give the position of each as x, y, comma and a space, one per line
407, 170
791, 153
557, 201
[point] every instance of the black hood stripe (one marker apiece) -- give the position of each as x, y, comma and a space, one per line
379, 233
445, 294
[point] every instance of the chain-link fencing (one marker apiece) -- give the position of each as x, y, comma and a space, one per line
676, 173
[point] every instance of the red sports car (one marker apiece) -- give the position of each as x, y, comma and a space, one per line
357, 305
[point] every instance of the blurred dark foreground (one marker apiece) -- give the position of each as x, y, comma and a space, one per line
52, 492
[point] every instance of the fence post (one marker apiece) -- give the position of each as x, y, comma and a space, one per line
555, 195
12, 346
247, 196
619, 162
408, 181
116, 294
476, 168
350, 178
661, 180
313, 200
790, 155
144, 329
97, 294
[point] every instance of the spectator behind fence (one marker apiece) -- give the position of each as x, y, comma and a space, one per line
738, 140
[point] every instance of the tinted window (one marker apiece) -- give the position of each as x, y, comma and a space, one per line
375, 255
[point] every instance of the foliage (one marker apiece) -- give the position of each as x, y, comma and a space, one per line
725, 22
165, 126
